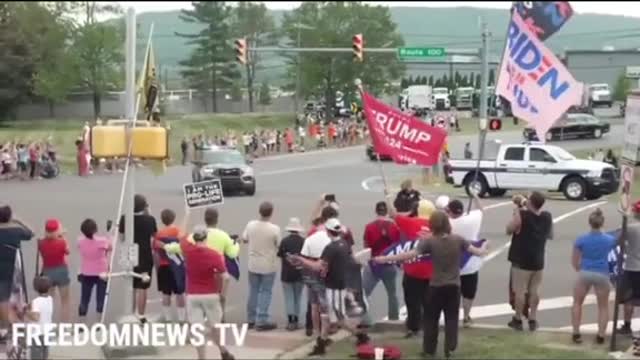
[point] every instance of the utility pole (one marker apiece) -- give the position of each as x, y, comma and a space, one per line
484, 83
130, 112
298, 67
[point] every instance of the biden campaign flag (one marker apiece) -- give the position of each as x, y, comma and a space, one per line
535, 82
466, 266
543, 18
404, 138
176, 263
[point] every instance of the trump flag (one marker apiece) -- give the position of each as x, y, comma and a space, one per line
402, 137
535, 82
543, 18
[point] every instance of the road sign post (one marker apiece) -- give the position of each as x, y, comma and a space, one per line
629, 160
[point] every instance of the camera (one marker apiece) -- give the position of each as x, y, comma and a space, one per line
519, 200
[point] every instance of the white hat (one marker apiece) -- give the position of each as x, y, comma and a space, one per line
294, 225
442, 202
333, 224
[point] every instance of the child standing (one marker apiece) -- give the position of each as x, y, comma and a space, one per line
54, 250
41, 312
94, 250
291, 277
170, 268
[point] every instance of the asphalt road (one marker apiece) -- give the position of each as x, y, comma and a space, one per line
294, 184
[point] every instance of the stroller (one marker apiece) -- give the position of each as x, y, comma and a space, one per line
49, 168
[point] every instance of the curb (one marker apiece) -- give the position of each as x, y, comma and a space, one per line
302, 352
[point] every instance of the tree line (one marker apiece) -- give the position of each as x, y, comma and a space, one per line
51, 49
458, 80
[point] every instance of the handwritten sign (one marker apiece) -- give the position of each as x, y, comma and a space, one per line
205, 193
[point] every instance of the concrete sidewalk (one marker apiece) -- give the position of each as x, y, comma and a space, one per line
259, 345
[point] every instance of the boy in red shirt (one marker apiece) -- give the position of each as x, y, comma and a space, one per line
205, 269
167, 283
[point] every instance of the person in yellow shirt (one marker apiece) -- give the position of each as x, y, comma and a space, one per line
219, 241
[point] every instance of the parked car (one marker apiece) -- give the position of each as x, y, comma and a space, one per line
535, 167
572, 126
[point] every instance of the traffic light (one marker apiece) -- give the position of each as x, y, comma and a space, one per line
495, 124
241, 50
358, 45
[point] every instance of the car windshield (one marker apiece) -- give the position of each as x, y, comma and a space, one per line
599, 87
560, 153
223, 157
465, 91
440, 91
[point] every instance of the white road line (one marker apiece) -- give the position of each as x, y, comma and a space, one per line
365, 182
593, 327
306, 153
497, 252
558, 219
305, 168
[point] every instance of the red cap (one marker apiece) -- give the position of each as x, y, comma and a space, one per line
52, 225
636, 207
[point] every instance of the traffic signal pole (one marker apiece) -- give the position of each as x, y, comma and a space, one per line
484, 83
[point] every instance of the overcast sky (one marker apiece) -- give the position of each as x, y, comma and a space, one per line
631, 8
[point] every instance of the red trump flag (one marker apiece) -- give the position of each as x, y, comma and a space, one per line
404, 138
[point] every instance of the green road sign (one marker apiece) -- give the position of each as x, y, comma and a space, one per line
415, 52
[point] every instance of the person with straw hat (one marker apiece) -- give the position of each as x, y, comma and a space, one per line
291, 276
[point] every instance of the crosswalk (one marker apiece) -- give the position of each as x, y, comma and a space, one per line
553, 311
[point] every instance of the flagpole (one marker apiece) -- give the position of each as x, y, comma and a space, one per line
484, 83
358, 83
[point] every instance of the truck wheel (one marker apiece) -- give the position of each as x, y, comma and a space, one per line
251, 190
478, 186
609, 104
497, 192
597, 133
574, 188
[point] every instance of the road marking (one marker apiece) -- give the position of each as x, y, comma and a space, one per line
305, 168
497, 252
311, 152
558, 219
365, 182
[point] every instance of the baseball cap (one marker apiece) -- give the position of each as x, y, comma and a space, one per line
52, 225
442, 202
456, 207
333, 224
200, 233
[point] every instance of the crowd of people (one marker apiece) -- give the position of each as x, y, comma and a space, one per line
440, 272
28, 160
306, 135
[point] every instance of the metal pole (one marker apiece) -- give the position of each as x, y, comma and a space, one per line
130, 112
484, 83
295, 99
619, 288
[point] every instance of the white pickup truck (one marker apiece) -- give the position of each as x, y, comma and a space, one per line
535, 166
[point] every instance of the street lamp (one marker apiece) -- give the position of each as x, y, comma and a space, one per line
300, 27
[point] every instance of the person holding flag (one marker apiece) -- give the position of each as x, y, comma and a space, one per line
446, 250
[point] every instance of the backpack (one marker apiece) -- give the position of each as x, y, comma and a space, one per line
367, 352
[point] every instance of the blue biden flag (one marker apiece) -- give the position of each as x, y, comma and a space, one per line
176, 263
409, 245
233, 266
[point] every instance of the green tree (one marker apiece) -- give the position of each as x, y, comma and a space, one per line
458, 78
478, 82
445, 81
236, 91
430, 82
56, 61
265, 94
438, 83
99, 49
492, 77
464, 81
211, 64
334, 24
622, 87
471, 80
404, 83
253, 21
423, 80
